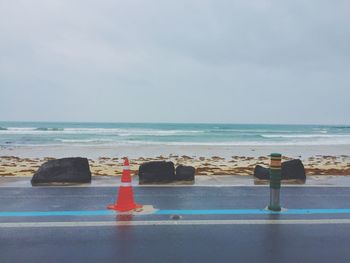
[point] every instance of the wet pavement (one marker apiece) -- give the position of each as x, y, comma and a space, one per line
182, 236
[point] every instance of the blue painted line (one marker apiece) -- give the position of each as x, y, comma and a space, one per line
253, 212
213, 212
180, 212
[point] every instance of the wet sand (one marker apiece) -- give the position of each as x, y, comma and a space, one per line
195, 151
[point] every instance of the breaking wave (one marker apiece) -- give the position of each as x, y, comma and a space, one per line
171, 134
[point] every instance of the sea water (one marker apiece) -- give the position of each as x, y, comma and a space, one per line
90, 134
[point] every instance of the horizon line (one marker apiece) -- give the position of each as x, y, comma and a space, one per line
163, 122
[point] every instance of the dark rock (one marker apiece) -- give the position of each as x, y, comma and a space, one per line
185, 173
293, 169
66, 170
262, 173
156, 172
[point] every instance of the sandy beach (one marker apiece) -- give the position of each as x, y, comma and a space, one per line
218, 160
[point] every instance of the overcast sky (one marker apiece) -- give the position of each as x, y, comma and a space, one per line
217, 61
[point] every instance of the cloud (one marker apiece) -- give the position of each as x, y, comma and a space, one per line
193, 61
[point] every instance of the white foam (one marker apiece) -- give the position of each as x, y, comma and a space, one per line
111, 131
84, 140
124, 136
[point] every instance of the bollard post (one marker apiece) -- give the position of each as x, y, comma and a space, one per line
275, 182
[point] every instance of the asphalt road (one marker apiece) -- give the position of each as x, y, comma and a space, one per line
211, 237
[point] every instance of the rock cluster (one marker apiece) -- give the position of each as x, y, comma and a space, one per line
164, 172
290, 170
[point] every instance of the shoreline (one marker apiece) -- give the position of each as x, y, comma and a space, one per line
216, 165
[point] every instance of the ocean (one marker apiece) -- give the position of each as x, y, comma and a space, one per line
114, 134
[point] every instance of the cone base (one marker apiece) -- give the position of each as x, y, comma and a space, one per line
119, 208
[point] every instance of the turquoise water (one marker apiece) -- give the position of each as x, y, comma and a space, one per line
60, 133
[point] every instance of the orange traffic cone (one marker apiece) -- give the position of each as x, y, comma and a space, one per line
125, 201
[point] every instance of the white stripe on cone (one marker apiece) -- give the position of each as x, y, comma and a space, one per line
126, 168
123, 184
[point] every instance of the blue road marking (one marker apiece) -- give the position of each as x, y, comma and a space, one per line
253, 212
180, 212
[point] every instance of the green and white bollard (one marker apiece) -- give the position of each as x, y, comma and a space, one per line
275, 182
